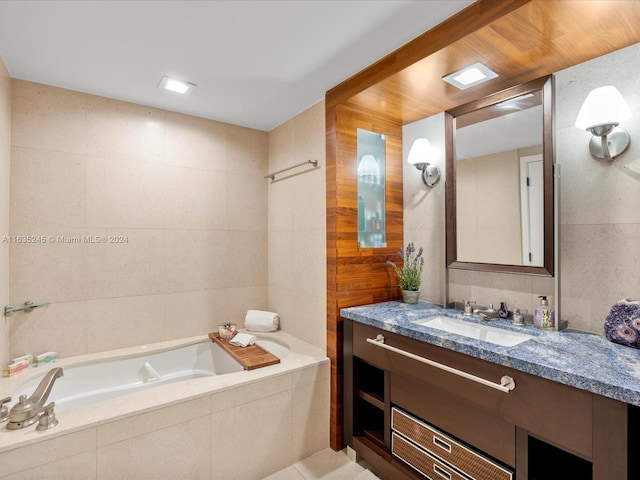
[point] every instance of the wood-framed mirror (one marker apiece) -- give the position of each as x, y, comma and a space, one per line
499, 188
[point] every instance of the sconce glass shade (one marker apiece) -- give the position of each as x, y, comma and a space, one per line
369, 169
419, 154
603, 106
600, 114
420, 151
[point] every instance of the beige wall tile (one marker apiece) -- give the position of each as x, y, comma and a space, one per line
81, 466
196, 312
196, 260
59, 326
181, 451
196, 199
297, 226
270, 421
196, 142
124, 130
310, 413
131, 264
424, 207
281, 204
245, 252
137, 425
115, 185
247, 212
124, 322
242, 299
48, 191
5, 167
599, 268
44, 453
261, 389
48, 118
307, 320
599, 200
247, 150
55, 271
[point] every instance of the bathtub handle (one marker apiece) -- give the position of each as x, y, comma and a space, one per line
152, 373
4, 409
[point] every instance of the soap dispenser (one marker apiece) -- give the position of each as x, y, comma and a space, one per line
543, 316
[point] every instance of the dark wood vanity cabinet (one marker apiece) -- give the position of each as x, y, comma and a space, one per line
541, 430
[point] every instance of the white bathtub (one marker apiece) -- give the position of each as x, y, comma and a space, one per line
89, 383
180, 427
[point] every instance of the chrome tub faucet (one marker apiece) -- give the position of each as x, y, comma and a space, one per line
26, 411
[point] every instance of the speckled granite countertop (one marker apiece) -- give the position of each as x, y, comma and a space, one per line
583, 360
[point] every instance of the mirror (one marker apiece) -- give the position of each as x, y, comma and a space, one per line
499, 189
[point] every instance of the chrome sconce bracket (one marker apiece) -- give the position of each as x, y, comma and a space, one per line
608, 141
430, 173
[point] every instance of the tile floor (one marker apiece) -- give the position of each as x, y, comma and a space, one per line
324, 465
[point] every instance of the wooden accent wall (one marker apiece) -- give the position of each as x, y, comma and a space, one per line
356, 276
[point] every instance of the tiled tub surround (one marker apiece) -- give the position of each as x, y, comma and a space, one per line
244, 425
583, 360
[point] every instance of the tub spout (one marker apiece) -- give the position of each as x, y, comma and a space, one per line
26, 411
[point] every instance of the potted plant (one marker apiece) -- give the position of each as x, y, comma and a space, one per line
409, 273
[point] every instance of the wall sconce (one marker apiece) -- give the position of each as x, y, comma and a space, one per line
601, 113
421, 150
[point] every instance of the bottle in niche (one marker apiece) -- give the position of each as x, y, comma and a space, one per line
543, 316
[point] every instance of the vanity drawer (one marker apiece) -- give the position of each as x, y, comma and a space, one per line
437, 444
424, 463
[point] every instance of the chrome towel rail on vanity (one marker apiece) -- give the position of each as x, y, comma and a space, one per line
506, 383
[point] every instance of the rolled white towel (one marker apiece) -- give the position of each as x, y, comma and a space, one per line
261, 321
243, 340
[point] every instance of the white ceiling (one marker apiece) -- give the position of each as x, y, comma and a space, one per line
256, 63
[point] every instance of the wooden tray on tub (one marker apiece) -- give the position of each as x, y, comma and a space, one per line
250, 357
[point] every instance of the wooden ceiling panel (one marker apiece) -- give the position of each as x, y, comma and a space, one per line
538, 38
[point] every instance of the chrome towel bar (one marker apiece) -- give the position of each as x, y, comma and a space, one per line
27, 307
272, 176
506, 383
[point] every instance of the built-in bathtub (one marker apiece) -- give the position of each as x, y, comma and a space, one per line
88, 383
205, 417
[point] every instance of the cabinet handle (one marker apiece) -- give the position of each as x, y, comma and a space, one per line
442, 472
506, 383
442, 444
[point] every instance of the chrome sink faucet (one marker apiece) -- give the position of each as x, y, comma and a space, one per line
26, 411
487, 314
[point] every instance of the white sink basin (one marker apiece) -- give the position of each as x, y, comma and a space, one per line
497, 336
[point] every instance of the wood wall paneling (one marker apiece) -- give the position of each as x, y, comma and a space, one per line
357, 276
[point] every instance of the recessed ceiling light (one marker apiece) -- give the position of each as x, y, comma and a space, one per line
470, 76
174, 85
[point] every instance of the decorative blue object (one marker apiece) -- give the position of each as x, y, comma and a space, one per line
622, 325
503, 311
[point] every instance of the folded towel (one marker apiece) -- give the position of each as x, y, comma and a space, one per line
261, 321
243, 340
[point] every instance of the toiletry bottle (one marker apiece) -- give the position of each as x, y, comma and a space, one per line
543, 316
